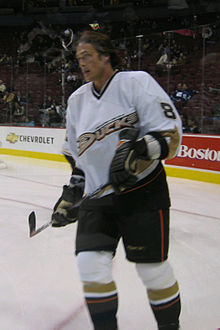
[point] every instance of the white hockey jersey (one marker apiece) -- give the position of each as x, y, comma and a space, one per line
128, 99
66, 147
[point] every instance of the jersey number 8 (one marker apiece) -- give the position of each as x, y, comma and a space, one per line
168, 110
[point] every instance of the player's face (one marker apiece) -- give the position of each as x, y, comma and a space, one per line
92, 64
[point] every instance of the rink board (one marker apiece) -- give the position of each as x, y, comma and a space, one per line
198, 157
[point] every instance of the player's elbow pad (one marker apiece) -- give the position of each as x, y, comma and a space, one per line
152, 146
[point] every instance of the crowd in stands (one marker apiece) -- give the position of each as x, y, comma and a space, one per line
190, 125
12, 103
181, 97
30, 4
50, 113
13, 109
96, 3
161, 54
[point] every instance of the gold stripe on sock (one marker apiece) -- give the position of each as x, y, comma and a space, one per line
89, 287
155, 295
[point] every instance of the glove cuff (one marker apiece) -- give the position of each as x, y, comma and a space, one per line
152, 146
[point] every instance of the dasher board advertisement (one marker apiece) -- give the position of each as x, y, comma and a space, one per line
198, 152
32, 139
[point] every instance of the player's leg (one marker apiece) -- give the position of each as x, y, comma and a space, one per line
100, 292
163, 293
146, 240
95, 245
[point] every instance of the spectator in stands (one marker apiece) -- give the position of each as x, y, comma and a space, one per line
193, 126
163, 60
73, 80
18, 109
9, 100
177, 94
55, 116
22, 99
183, 93
44, 111
51, 113
47, 102
3, 58
71, 77
182, 58
2, 88
188, 93
185, 126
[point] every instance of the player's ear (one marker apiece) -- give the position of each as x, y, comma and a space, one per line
106, 58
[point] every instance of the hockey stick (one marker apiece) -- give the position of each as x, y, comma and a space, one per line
32, 216
68, 33
32, 225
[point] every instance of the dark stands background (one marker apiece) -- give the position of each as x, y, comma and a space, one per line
176, 41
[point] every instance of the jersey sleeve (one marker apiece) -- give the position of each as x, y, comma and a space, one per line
156, 112
71, 130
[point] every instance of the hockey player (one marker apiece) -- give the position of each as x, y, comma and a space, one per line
121, 125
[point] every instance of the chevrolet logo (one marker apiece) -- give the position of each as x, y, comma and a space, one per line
12, 138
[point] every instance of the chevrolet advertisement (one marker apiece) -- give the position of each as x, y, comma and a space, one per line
46, 140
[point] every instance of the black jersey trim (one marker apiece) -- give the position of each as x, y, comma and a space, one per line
96, 93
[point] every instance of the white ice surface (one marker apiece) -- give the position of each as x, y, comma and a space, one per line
39, 283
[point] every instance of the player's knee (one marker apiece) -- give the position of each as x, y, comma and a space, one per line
95, 266
157, 275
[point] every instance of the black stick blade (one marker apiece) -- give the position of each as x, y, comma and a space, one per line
32, 223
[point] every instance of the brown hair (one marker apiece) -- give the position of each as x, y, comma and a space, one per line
102, 43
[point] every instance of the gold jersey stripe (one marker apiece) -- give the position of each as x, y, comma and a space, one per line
174, 136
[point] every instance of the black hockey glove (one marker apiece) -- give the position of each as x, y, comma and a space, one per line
124, 164
123, 169
64, 211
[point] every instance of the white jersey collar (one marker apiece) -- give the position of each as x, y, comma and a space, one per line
98, 94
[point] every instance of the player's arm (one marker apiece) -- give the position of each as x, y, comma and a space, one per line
157, 144
66, 151
64, 211
161, 124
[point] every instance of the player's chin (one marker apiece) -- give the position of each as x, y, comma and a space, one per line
88, 77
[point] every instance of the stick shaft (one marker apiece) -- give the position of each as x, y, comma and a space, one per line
32, 216
37, 231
